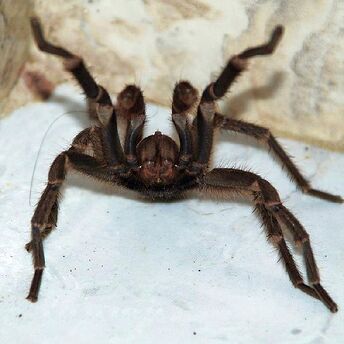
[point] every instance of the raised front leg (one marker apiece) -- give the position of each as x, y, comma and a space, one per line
272, 212
237, 64
263, 135
75, 65
205, 118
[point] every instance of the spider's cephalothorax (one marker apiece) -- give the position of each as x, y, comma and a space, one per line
157, 157
160, 169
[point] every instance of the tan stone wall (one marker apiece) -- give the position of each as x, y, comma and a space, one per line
298, 91
14, 49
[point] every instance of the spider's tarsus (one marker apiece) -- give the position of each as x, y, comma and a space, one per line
35, 285
326, 196
326, 298
35, 21
275, 38
42, 43
277, 33
36, 27
334, 308
32, 298
267, 48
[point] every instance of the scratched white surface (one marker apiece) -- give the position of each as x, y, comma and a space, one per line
120, 270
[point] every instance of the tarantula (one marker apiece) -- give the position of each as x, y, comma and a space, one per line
160, 169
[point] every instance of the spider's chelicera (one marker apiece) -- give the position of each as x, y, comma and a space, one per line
160, 169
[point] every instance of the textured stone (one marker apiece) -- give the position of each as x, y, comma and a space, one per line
14, 49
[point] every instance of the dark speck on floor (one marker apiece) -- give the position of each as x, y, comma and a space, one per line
296, 331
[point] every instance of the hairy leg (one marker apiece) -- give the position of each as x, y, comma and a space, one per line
271, 211
87, 142
275, 235
264, 136
45, 214
74, 64
237, 64
206, 111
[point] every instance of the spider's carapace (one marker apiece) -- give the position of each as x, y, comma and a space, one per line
157, 156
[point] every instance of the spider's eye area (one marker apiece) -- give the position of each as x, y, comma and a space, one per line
166, 168
158, 172
148, 170
185, 96
130, 102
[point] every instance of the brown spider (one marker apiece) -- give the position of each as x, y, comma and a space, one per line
156, 167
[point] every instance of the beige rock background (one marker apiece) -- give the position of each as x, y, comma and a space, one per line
298, 92
14, 51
